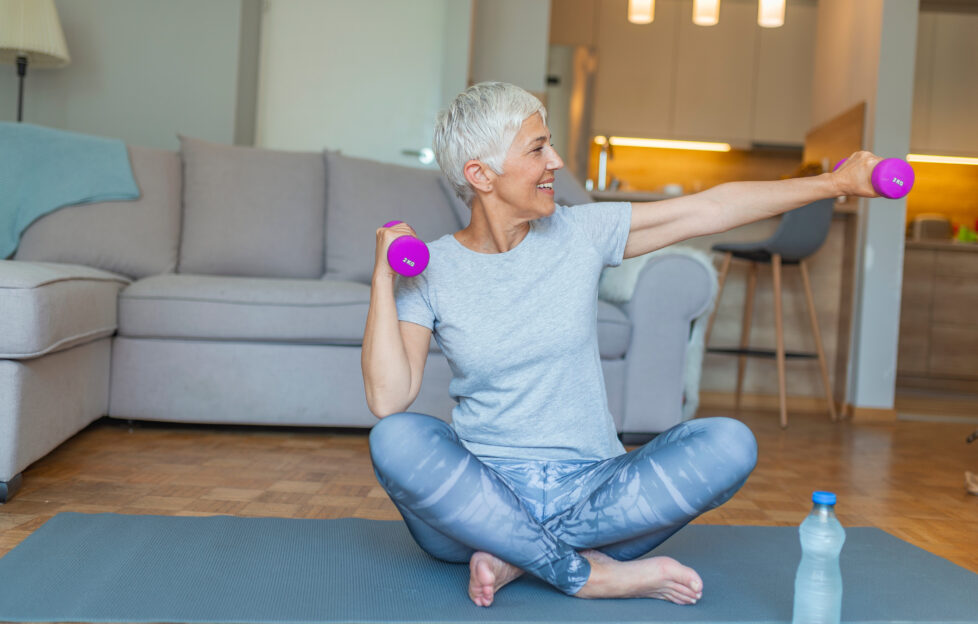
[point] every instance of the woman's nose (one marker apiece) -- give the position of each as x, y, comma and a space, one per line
555, 161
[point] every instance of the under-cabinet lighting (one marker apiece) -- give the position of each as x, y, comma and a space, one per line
664, 144
944, 160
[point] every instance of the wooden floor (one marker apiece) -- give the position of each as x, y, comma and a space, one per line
905, 477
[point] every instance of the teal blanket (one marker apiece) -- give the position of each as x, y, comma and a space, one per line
42, 169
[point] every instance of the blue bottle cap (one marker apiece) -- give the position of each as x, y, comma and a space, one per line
823, 498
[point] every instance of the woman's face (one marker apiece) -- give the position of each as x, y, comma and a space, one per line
528, 170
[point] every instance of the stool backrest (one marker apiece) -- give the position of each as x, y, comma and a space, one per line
802, 230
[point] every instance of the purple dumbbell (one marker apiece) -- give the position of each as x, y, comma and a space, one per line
407, 255
892, 178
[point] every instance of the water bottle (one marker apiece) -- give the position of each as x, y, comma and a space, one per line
818, 584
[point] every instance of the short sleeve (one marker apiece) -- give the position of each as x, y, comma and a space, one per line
606, 224
413, 305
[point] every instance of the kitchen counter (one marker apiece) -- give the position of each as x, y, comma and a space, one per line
842, 207
630, 196
942, 245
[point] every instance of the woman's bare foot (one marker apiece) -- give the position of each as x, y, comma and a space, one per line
487, 574
658, 577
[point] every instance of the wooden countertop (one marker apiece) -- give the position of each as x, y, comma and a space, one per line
630, 196
942, 246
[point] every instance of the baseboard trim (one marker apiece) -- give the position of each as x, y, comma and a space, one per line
762, 402
870, 414
796, 404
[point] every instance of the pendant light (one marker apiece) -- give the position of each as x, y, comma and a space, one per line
641, 11
770, 13
706, 12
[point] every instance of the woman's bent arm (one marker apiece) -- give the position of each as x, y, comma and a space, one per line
394, 352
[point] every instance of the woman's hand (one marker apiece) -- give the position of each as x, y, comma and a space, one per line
854, 177
386, 236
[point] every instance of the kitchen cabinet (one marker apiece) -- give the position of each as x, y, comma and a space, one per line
715, 75
938, 328
734, 81
946, 84
634, 81
782, 111
673, 79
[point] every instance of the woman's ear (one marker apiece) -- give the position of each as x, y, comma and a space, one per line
478, 175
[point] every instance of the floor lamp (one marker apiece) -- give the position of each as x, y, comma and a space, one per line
30, 33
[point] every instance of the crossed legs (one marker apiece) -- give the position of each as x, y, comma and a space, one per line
596, 515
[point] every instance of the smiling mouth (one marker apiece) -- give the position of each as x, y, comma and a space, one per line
548, 186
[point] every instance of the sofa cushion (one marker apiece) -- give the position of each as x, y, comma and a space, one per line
363, 195
251, 212
327, 311
614, 331
133, 238
239, 308
47, 307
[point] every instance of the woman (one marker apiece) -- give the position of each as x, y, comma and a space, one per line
530, 476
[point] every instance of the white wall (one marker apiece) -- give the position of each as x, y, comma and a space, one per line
509, 42
366, 78
141, 71
865, 51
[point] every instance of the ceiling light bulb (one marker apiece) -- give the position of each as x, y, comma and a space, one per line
770, 13
641, 11
706, 12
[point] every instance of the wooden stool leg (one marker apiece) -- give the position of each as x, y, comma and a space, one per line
779, 332
745, 331
716, 305
818, 340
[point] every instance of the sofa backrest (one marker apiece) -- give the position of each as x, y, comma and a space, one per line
251, 211
214, 209
362, 195
134, 238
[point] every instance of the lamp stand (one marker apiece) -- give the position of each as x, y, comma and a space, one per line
21, 72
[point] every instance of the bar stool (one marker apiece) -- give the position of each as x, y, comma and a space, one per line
800, 233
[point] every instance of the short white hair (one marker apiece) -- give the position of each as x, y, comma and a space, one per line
480, 124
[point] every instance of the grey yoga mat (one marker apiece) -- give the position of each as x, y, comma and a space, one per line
108, 567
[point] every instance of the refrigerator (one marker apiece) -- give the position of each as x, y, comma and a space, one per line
570, 104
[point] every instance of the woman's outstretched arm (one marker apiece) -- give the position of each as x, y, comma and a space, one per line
658, 224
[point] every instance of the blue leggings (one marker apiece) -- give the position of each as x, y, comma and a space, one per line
537, 515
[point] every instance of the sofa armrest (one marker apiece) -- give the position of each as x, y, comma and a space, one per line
672, 291
47, 306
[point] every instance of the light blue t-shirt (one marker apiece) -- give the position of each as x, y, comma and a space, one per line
519, 330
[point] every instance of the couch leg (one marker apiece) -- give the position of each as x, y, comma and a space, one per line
635, 438
9, 488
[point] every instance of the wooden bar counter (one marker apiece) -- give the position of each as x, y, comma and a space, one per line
939, 317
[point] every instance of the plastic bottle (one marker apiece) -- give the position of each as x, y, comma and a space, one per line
818, 583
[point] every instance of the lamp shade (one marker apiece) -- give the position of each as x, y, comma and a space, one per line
31, 28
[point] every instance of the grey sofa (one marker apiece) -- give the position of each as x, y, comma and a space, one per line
235, 290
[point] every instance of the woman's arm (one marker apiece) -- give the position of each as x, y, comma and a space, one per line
394, 352
658, 224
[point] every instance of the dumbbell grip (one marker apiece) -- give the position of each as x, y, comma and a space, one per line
892, 177
407, 255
